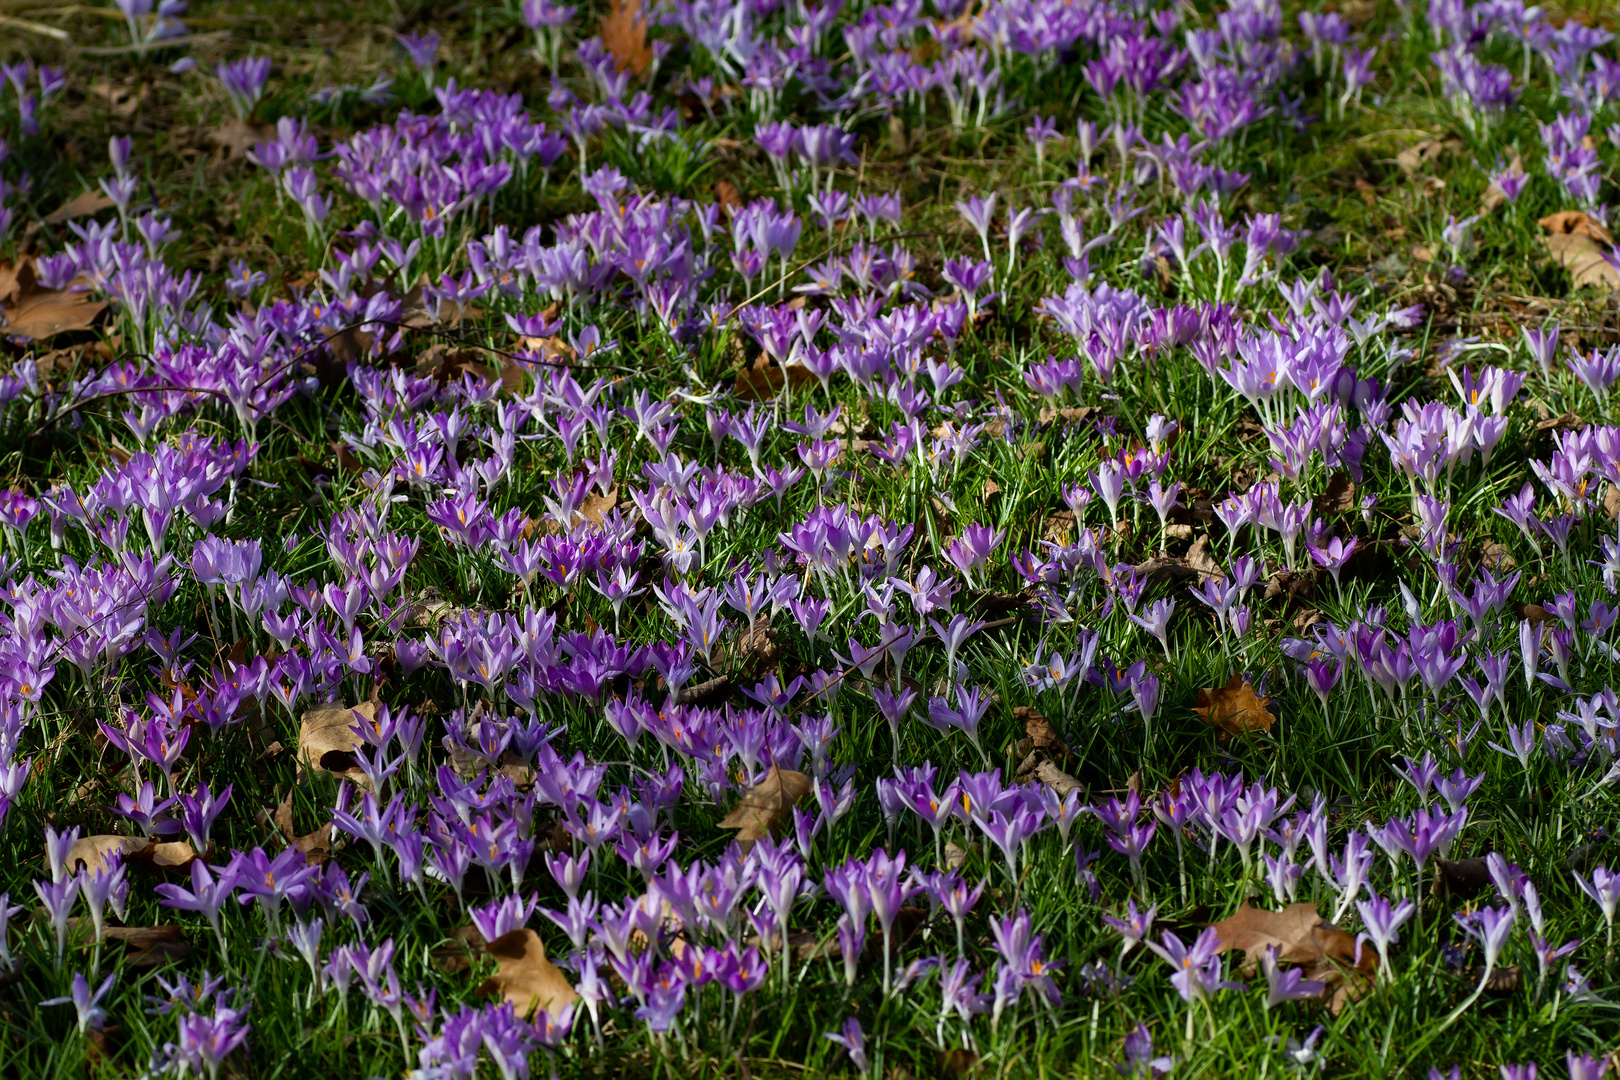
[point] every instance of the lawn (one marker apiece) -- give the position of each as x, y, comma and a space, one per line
1006, 538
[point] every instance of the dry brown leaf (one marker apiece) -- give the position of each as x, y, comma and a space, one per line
172, 855
767, 805
84, 205
1424, 153
1323, 951
1573, 222
236, 137
315, 846
93, 852
764, 381
552, 350
727, 195
624, 32
596, 508
1234, 709
1058, 526
1340, 496
121, 100
1503, 980
525, 977
327, 741
456, 955
1056, 779
1461, 877
1200, 558
149, 946
1042, 735
1580, 245
37, 313
1050, 415
144, 946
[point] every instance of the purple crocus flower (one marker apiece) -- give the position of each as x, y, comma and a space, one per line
205, 1041
1586, 1067
1140, 1062
980, 213
243, 81
87, 1004
211, 888
853, 1040
1286, 984
1197, 970
1604, 889
59, 898
1383, 922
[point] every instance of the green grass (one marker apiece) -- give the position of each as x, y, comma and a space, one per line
228, 208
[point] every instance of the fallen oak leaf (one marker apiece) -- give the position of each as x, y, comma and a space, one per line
624, 32
237, 137
1056, 779
97, 852
1041, 735
1234, 709
765, 380
1575, 223
456, 954
144, 946
36, 313
85, 204
1583, 247
727, 195
1414, 158
1325, 953
315, 846
1461, 877
525, 977
1199, 557
1502, 980
596, 508
327, 739
766, 806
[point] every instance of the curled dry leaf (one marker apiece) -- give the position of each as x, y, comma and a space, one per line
1200, 558
1234, 709
236, 137
1040, 752
1461, 877
525, 977
28, 310
727, 195
1323, 951
1582, 247
327, 740
767, 805
85, 204
456, 955
1415, 158
1340, 496
144, 946
94, 852
764, 381
596, 508
315, 846
624, 32
547, 350
1039, 732
1503, 980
